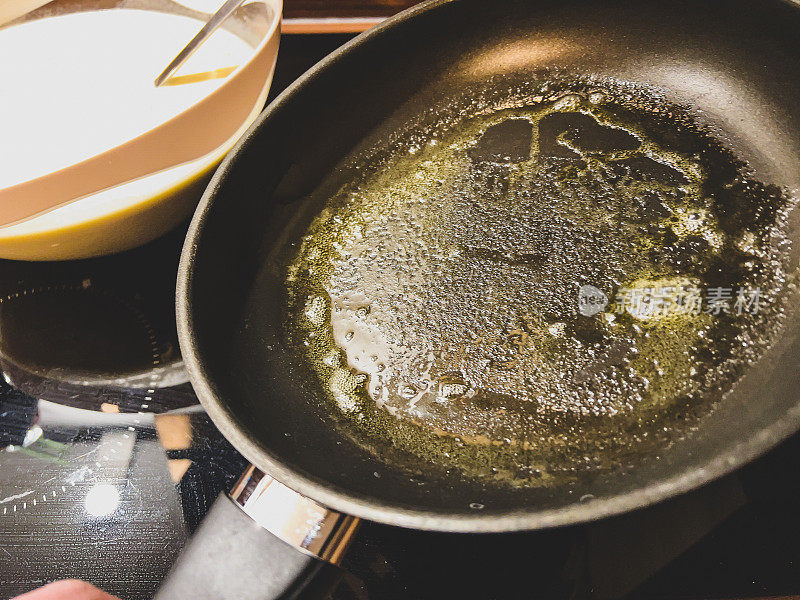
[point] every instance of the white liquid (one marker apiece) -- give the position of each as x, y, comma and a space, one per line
74, 86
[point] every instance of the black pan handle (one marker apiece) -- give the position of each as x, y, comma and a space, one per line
262, 542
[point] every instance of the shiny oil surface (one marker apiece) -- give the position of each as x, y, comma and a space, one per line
438, 294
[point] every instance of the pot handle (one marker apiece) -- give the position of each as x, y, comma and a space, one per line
262, 542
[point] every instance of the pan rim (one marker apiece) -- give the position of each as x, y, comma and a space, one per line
334, 497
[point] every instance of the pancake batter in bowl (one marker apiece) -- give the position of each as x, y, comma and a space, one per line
79, 84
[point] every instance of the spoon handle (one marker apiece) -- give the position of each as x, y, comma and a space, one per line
210, 27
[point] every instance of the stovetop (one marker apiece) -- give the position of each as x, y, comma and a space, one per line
109, 464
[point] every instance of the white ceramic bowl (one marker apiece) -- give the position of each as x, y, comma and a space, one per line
135, 212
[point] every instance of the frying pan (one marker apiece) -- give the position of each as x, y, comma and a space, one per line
731, 64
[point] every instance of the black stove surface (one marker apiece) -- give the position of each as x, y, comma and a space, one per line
109, 464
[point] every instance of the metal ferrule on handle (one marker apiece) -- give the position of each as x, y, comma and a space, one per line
262, 541
299, 521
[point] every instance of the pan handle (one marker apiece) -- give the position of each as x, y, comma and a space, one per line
263, 541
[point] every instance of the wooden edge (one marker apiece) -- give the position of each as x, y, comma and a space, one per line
329, 24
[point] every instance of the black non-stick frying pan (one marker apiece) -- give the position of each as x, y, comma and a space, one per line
666, 101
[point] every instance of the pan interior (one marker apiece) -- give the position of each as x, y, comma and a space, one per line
521, 288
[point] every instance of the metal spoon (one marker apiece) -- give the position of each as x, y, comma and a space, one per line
210, 27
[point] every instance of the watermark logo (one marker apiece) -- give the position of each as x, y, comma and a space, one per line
648, 302
653, 302
591, 300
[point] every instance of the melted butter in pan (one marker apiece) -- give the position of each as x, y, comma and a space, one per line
437, 296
